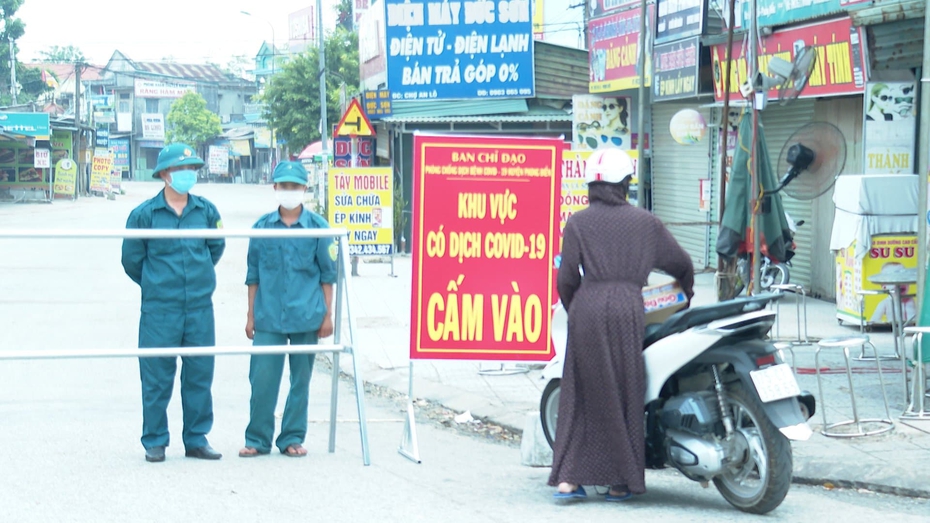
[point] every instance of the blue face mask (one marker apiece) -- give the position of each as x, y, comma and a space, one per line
183, 181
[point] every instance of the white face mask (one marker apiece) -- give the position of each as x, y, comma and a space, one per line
289, 199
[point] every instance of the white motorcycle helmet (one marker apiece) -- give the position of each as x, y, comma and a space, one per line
609, 166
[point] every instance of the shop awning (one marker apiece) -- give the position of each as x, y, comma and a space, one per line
408, 111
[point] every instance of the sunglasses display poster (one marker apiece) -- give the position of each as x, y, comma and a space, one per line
602, 121
890, 127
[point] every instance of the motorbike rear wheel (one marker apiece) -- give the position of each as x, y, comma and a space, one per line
758, 480
549, 408
775, 274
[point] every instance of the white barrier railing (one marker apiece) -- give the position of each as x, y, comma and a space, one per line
342, 318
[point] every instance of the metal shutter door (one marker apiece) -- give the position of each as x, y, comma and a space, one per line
676, 173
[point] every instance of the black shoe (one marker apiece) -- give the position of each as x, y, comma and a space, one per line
204, 452
155, 454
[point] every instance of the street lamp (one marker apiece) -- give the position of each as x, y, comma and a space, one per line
274, 45
274, 59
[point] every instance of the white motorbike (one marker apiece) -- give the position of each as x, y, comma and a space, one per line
721, 404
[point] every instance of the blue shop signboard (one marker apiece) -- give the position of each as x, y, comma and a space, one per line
120, 149
459, 50
782, 12
26, 124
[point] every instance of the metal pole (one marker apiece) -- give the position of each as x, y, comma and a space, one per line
79, 155
725, 124
12, 71
923, 165
754, 202
641, 120
324, 124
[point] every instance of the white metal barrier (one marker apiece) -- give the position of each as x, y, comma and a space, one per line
343, 318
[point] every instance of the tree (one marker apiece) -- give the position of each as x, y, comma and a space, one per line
29, 81
189, 121
344, 16
62, 55
292, 97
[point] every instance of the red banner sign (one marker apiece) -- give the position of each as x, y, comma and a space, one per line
613, 52
485, 234
840, 67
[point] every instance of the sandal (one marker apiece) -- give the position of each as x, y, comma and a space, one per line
251, 452
578, 493
294, 451
624, 495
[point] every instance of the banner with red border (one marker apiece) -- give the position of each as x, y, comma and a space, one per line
485, 234
841, 59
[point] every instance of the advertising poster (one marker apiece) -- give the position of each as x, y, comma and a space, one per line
100, 173
888, 254
613, 51
459, 50
485, 228
574, 193
116, 180
679, 19
218, 159
119, 148
61, 145
361, 200
677, 70
153, 126
154, 89
602, 121
65, 178
42, 158
890, 127
839, 70
599, 7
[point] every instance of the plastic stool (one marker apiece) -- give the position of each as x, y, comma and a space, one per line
894, 322
886, 423
800, 300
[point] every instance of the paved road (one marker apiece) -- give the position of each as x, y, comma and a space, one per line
70, 428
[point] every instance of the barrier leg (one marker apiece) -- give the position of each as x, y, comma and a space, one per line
333, 403
409, 448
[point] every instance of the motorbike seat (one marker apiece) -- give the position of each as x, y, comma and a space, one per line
693, 317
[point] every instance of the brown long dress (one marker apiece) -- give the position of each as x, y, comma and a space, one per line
600, 432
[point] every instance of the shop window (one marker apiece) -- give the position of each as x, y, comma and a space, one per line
17, 165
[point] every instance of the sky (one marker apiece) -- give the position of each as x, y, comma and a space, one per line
190, 31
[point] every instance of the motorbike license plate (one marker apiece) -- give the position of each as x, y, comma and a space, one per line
775, 383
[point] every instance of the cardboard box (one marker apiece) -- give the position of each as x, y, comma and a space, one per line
662, 297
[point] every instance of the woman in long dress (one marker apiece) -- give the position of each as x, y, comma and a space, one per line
600, 436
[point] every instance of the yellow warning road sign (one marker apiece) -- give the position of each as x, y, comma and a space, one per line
354, 122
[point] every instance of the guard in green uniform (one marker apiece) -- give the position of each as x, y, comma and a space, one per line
177, 278
290, 284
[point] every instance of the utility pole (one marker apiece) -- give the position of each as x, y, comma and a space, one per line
324, 134
12, 70
755, 202
923, 168
641, 119
79, 155
324, 125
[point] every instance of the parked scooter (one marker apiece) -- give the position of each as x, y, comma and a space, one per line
770, 272
721, 404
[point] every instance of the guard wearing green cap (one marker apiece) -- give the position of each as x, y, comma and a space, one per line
177, 278
290, 284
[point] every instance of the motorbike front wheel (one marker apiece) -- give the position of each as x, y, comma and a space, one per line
549, 408
759, 475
